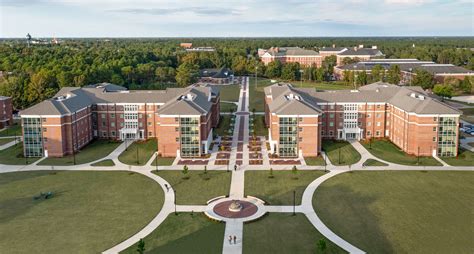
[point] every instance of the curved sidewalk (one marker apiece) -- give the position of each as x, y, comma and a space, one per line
308, 210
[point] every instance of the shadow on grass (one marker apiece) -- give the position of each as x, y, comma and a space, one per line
347, 214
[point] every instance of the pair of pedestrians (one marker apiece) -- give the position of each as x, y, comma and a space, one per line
234, 238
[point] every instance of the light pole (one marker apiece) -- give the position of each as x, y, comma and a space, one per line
301, 78
175, 212
418, 157
256, 83
325, 163
294, 202
137, 156
156, 161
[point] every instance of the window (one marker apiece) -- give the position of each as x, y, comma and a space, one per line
300, 129
121, 124
112, 124
300, 139
377, 133
322, 133
149, 115
149, 123
369, 115
140, 115
378, 106
378, 124
331, 124
121, 115
369, 133
331, 107
44, 129
378, 115
45, 139
434, 119
301, 119
434, 139
150, 134
331, 133
177, 139
112, 115
112, 134
140, 124
369, 123
176, 129
434, 128
44, 120
331, 115
102, 115
176, 119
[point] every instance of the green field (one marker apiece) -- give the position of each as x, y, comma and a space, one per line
104, 163
4, 141
14, 156
374, 163
279, 189
163, 161
93, 151
89, 211
184, 234
224, 126
229, 92
387, 151
228, 107
315, 161
259, 125
284, 233
400, 211
14, 130
464, 158
139, 152
196, 188
340, 152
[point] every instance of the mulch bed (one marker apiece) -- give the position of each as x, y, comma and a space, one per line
221, 162
285, 162
255, 155
193, 162
223, 156
255, 162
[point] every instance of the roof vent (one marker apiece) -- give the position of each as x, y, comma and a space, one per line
187, 97
421, 97
354, 91
413, 95
292, 96
374, 47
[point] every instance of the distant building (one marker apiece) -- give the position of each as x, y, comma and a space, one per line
217, 76
407, 68
186, 45
302, 56
308, 57
181, 119
299, 118
6, 111
359, 53
201, 49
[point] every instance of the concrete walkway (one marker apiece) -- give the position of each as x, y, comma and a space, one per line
233, 228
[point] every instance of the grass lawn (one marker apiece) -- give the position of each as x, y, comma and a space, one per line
4, 141
89, 212
387, 151
374, 163
163, 161
400, 212
260, 129
465, 158
315, 161
256, 94
104, 163
184, 233
228, 107
198, 188
224, 126
284, 233
229, 92
14, 156
11, 131
338, 85
279, 189
143, 149
340, 152
93, 151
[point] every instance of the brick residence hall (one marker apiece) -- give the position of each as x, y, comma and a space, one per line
299, 118
181, 119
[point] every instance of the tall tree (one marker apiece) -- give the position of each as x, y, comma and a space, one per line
378, 73
423, 78
393, 74
273, 69
443, 90
291, 71
186, 74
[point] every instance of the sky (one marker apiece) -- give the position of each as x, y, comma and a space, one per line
232, 18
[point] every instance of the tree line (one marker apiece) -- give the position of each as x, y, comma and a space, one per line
32, 74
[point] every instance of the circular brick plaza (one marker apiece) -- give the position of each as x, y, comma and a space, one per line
247, 209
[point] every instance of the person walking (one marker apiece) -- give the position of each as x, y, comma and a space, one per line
167, 187
230, 239
235, 167
235, 239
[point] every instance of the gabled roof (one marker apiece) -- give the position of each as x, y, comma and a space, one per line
72, 99
361, 52
410, 99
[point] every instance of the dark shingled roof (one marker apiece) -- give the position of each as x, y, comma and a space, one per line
361, 52
216, 73
71, 99
410, 99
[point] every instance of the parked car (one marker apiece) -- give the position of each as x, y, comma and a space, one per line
464, 129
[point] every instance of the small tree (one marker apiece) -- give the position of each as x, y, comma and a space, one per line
141, 246
205, 169
322, 245
294, 170
271, 173
185, 170
444, 91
